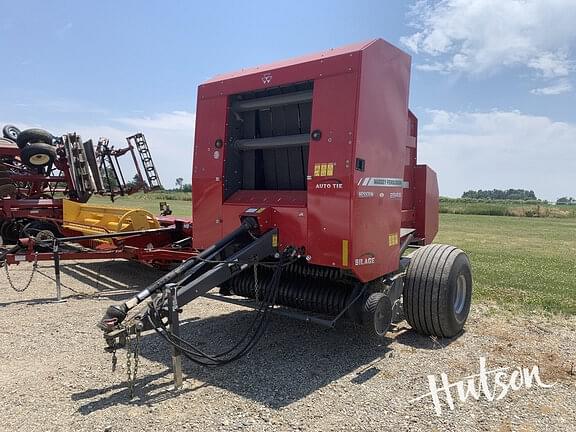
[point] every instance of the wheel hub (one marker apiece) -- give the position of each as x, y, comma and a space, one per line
39, 159
461, 293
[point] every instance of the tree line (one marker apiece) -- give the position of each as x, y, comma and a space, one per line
497, 194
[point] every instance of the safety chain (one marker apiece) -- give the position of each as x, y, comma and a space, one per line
27, 285
132, 353
256, 285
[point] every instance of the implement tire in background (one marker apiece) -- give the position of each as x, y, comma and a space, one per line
29, 136
438, 290
38, 155
10, 132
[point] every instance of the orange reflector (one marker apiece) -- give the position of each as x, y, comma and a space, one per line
345, 253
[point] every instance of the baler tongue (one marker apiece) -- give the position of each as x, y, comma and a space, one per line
242, 248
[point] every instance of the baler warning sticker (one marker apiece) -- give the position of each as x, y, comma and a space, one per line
393, 239
323, 169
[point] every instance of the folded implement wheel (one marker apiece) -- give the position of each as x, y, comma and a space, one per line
38, 155
438, 290
30, 136
10, 132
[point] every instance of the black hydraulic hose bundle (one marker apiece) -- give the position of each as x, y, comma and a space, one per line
253, 334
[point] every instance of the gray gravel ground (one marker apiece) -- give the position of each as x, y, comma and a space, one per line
55, 376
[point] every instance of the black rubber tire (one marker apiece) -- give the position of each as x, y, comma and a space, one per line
10, 132
433, 303
38, 155
10, 230
29, 136
377, 314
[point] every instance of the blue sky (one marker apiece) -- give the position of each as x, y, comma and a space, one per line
492, 81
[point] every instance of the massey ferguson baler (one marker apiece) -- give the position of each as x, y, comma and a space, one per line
307, 198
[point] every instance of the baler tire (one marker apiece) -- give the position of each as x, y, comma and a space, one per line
38, 155
29, 136
377, 314
438, 291
10, 132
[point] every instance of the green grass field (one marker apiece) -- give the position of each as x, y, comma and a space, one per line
522, 262
179, 202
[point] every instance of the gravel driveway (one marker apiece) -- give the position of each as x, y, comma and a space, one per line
55, 376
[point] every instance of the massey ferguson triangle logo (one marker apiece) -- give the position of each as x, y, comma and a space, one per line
266, 78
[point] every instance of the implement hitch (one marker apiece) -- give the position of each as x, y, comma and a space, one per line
239, 250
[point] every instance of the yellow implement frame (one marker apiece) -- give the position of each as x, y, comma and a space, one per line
90, 219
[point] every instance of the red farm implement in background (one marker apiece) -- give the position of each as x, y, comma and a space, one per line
40, 173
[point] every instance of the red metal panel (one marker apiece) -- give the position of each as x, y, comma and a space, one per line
262, 78
427, 203
333, 113
352, 49
207, 172
381, 141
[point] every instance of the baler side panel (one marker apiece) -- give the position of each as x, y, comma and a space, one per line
329, 168
408, 214
207, 190
427, 203
381, 143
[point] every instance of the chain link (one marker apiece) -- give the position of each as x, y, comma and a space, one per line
27, 285
256, 284
132, 353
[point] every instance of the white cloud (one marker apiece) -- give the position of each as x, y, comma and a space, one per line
173, 121
562, 86
483, 36
486, 150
